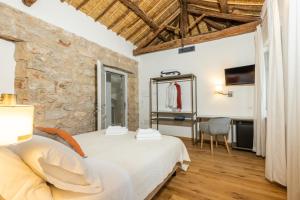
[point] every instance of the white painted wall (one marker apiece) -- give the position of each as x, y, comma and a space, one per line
68, 18
7, 67
207, 63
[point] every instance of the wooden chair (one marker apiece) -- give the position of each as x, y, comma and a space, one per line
215, 127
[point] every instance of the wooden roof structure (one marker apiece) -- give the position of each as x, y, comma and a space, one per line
154, 25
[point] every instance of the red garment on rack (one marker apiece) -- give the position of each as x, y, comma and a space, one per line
179, 102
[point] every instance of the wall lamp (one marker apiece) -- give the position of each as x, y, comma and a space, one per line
219, 90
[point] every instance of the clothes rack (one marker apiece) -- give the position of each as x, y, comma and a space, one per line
168, 118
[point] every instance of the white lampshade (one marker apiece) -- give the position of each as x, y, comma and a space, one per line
218, 88
16, 123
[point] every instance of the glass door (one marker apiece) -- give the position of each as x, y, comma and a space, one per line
113, 98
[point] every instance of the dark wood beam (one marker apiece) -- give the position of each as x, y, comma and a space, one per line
106, 9
171, 28
223, 6
151, 37
176, 24
197, 25
141, 14
83, 3
241, 18
197, 21
183, 18
228, 32
214, 24
29, 2
134, 8
168, 10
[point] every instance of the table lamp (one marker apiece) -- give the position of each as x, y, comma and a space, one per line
16, 121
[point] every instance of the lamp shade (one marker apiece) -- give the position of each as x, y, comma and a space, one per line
218, 88
16, 123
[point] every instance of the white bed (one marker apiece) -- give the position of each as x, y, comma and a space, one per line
129, 169
115, 180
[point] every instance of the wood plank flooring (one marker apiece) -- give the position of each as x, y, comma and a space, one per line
239, 176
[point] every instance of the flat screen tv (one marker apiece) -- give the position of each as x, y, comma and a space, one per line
240, 75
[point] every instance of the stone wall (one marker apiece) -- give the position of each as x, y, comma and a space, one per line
56, 72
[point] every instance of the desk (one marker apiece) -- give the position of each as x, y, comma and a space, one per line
234, 121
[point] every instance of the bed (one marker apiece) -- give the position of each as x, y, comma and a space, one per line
129, 169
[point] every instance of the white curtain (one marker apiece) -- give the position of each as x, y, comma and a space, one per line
293, 100
259, 140
276, 139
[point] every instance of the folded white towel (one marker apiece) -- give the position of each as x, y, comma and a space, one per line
116, 130
147, 131
148, 134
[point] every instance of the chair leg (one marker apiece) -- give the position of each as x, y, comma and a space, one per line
202, 138
226, 144
212, 144
216, 141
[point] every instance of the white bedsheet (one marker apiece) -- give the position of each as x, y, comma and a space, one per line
147, 163
115, 180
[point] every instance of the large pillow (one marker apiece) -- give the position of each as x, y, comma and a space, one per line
59, 165
67, 137
18, 181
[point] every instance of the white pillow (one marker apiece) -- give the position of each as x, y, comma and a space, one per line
59, 165
18, 181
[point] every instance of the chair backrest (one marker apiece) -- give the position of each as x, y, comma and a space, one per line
220, 125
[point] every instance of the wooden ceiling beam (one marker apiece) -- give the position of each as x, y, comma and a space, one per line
197, 25
106, 9
134, 8
228, 32
241, 18
214, 24
197, 21
141, 14
183, 18
83, 3
159, 16
223, 6
170, 28
150, 38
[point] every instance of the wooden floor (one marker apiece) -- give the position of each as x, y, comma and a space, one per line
221, 177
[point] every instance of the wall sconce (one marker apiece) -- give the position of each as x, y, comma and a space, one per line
219, 90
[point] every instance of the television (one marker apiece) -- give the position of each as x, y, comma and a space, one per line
240, 75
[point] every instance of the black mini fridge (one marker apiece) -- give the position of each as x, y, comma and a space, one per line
244, 134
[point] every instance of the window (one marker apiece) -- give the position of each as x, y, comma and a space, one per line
7, 66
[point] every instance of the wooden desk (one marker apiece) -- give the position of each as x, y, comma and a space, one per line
234, 121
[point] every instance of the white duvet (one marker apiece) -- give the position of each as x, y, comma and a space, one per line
129, 169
